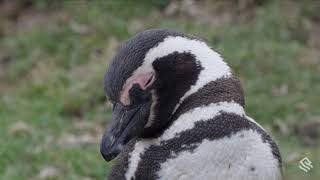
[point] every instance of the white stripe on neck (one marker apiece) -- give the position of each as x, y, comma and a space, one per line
187, 120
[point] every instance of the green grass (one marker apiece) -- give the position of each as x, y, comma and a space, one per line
53, 81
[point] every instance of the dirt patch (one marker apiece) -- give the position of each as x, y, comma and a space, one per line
21, 16
48, 172
215, 12
85, 133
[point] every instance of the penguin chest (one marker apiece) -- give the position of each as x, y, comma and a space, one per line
241, 156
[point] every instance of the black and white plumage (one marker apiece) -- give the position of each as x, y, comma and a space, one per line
179, 114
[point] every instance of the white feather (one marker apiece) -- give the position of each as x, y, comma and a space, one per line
243, 156
152, 114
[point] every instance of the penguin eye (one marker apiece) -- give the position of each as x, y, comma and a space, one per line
137, 94
137, 89
149, 81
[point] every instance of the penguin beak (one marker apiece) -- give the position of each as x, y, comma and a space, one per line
126, 124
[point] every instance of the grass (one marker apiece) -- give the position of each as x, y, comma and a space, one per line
52, 104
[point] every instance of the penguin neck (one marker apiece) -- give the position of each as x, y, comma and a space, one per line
226, 89
223, 90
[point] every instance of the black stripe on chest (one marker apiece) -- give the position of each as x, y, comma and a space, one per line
122, 162
221, 126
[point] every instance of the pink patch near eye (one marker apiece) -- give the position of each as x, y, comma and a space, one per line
144, 81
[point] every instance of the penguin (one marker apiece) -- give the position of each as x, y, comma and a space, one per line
178, 113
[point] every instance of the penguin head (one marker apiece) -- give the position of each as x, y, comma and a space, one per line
149, 78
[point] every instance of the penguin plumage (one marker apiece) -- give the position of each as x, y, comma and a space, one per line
178, 113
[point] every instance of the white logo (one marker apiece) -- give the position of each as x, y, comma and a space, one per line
305, 164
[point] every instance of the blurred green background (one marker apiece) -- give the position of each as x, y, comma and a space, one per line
53, 55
